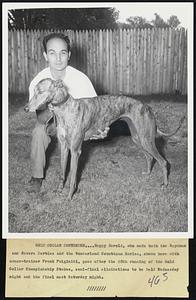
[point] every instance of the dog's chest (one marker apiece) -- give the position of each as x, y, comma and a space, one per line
65, 127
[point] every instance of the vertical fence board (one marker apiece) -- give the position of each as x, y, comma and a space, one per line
116, 43
145, 63
135, 61
22, 60
138, 55
140, 66
160, 70
111, 62
127, 89
131, 68
100, 57
173, 37
175, 61
155, 61
107, 62
169, 59
148, 62
158, 60
96, 57
93, 58
184, 83
18, 64
181, 59
25, 61
120, 62
115, 62
151, 71
89, 55
165, 61
104, 61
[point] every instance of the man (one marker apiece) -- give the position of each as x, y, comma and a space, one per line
57, 54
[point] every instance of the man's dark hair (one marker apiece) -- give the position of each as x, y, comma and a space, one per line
56, 35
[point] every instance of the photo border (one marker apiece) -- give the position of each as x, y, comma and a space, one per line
6, 233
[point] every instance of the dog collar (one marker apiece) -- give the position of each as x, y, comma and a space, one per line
59, 103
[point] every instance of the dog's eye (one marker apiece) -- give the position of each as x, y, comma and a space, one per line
36, 92
41, 90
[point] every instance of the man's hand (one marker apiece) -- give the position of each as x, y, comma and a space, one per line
101, 134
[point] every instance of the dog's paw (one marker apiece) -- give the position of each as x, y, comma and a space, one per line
164, 186
146, 172
60, 187
69, 197
78, 191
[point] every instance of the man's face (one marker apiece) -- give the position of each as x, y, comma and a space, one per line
57, 54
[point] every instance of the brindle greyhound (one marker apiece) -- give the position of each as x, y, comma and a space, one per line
79, 119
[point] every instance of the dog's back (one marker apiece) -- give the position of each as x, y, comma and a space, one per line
101, 111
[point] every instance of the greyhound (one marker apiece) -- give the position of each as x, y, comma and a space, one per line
79, 119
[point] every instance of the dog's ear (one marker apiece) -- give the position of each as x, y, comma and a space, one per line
58, 83
60, 91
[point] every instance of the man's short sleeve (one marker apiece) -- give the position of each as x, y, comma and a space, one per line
78, 84
87, 89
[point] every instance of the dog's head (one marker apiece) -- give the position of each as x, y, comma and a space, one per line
47, 91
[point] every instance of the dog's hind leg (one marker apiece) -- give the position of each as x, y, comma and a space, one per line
149, 157
149, 161
150, 148
136, 140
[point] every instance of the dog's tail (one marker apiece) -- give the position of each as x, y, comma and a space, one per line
160, 133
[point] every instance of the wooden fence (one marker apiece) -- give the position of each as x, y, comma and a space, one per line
134, 61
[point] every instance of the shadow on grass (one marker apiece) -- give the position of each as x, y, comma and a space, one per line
117, 129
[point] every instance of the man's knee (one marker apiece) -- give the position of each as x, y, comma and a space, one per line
39, 133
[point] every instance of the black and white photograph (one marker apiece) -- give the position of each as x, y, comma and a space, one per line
98, 119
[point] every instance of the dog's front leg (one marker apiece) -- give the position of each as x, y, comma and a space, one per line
64, 157
75, 154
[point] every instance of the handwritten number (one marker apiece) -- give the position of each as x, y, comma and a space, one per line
165, 276
150, 281
155, 280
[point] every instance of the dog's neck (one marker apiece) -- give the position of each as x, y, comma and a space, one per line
62, 102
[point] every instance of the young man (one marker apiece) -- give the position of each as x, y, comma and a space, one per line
57, 54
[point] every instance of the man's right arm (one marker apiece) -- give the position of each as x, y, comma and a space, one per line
31, 90
31, 93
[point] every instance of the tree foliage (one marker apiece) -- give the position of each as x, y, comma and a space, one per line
63, 18
173, 21
158, 22
81, 18
138, 22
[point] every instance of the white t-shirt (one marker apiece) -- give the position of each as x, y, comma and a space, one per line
77, 83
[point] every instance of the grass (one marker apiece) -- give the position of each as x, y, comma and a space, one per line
112, 195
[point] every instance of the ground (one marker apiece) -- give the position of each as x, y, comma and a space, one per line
112, 194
